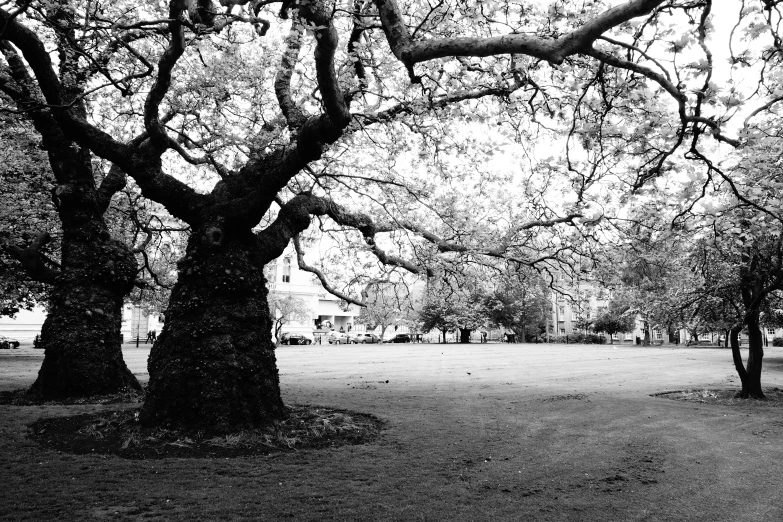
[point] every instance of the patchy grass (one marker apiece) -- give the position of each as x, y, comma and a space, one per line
481, 433
724, 396
119, 433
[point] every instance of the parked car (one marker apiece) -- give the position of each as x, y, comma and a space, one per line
363, 338
337, 338
399, 338
295, 338
8, 343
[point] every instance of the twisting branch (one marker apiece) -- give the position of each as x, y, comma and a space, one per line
158, 91
114, 181
410, 51
295, 215
293, 44
320, 275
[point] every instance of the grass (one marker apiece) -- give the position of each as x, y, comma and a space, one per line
497, 432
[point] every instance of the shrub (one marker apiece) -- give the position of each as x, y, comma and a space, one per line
578, 338
777, 341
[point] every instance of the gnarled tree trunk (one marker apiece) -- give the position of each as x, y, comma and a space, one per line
213, 366
81, 333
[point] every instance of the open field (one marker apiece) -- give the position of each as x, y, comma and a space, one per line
477, 432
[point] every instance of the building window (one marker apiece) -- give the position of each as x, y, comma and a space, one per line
615, 337
770, 331
562, 331
658, 334
562, 310
287, 270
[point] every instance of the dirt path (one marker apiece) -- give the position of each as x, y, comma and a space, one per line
479, 432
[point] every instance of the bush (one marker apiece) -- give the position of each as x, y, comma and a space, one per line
777, 341
589, 338
578, 338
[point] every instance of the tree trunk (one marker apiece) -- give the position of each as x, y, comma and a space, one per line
81, 333
750, 374
213, 367
646, 341
464, 335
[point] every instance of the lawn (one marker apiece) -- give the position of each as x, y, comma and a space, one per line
476, 432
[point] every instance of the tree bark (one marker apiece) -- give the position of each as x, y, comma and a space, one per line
750, 377
81, 333
213, 367
464, 335
751, 384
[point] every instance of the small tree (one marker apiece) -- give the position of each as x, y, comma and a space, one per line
434, 317
385, 305
284, 309
611, 322
520, 307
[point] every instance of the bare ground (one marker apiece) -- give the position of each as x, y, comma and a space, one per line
479, 432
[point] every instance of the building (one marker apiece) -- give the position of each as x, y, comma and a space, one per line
582, 301
27, 324
327, 312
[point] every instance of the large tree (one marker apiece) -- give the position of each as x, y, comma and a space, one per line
96, 271
279, 111
287, 308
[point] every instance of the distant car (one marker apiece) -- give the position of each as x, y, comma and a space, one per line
363, 338
337, 338
7, 343
399, 338
295, 338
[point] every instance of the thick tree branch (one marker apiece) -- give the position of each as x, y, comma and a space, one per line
274, 170
293, 44
166, 64
33, 260
556, 50
114, 181
294, 217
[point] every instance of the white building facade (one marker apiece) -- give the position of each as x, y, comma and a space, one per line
327, 312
